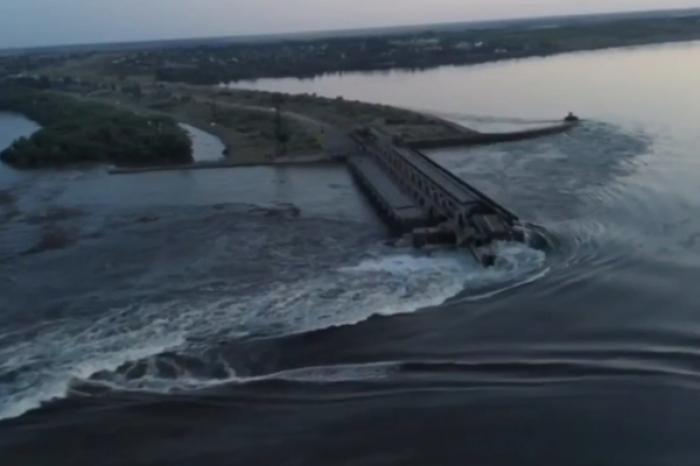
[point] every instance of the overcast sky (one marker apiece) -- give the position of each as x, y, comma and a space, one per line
41, 22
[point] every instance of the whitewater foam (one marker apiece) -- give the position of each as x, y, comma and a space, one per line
387, 283
44, 365
54, 383
152, 382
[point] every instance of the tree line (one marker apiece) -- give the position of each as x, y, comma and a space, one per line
75, 130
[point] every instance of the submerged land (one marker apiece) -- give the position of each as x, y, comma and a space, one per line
167, 82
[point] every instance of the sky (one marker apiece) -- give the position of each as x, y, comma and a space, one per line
53, 22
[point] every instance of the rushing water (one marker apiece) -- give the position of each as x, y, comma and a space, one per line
258, 316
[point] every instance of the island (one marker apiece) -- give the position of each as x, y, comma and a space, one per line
76, 130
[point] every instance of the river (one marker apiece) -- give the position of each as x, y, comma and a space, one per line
258, 315
205, 146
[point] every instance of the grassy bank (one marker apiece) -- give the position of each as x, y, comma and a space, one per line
79, 131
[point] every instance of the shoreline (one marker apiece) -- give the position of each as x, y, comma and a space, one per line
301, 162
326, 122
237, 84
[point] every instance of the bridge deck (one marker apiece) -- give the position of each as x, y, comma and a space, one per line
401, 206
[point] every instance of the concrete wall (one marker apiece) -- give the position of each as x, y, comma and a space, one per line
435, 200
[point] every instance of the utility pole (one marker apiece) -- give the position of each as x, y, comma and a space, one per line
214, 108
280, 130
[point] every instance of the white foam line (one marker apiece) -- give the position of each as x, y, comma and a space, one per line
314, 374
60, 385
490, 294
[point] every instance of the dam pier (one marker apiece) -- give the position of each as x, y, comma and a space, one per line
417, 196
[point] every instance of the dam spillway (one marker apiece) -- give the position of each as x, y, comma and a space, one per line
419, 197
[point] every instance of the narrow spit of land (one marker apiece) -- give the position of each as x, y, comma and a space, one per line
257, 128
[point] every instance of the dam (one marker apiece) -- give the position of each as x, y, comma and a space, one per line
417, 196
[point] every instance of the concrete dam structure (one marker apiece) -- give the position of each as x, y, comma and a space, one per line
418, 196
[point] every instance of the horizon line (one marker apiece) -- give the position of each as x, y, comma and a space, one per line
290, 35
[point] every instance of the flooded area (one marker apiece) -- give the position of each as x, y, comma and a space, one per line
269, 305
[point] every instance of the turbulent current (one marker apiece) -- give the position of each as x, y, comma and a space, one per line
264, 316
183, 279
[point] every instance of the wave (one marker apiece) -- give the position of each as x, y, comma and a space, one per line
37, 369
154, 382
414, 374
43, 385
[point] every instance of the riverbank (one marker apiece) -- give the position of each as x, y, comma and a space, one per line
257, 127
280, 162
265, 127
249, 136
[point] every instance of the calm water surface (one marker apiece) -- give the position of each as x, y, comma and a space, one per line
205, 147
12, 126
257, 316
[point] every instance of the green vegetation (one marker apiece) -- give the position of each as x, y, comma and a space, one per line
79, 131
417, 48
